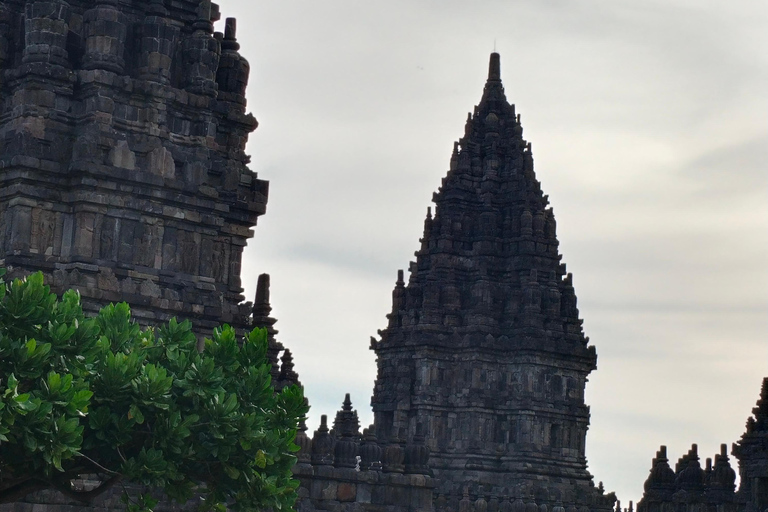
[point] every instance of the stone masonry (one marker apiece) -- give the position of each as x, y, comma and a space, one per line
484, 349
122, 164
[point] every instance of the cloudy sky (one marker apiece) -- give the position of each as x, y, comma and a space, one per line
649, 132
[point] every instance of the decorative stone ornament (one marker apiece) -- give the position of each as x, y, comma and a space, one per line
393, 457
304, 455
201, 52
370, 451
322, 444
105, 37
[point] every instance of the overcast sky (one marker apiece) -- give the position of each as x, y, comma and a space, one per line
649, 132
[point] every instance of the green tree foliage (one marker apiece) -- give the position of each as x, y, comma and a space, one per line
84, 396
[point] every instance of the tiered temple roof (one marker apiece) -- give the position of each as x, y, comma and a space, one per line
484, 348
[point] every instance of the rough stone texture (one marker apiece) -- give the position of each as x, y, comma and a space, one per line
334, 477
54, 501
752, 452
484, 347
122, 164
689, 488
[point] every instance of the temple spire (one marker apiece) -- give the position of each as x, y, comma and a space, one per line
494, 67
262, 308
494, 99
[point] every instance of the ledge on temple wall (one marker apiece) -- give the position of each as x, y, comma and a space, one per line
326, 486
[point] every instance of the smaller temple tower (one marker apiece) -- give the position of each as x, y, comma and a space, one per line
484, 351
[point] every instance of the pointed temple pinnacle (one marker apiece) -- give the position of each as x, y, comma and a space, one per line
494, 67
262, 291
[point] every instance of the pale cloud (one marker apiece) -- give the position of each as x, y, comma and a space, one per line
648, 127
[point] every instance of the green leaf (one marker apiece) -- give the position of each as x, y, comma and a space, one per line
135, 413
261, 459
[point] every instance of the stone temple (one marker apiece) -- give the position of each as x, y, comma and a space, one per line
123, 174
484, 350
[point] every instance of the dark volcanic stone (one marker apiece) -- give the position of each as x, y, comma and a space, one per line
484, 345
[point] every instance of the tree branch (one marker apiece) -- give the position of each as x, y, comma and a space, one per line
19, 490
96, 464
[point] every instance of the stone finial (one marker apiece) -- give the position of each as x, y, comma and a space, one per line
723, 477
346, 427
465, 504
262, 307
288, 376
493, 503
760, 411
398, 299
455, 157
370, 451
661, 477
201, 54
230, 36
494, 67
346, 423
394, 456
304, 455
261, 310
480, 504
233, 71
518, 505
506, 505
531, 506
203, 21
322, 444
690, 476
262, 296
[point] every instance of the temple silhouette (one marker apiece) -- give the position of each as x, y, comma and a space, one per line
123, 175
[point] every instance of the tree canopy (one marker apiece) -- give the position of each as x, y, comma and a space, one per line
102, 396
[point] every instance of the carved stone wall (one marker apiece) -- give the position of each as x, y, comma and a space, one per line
122, 164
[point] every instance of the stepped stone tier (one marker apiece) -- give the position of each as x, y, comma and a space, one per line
691, 488
122, 164
484, 349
